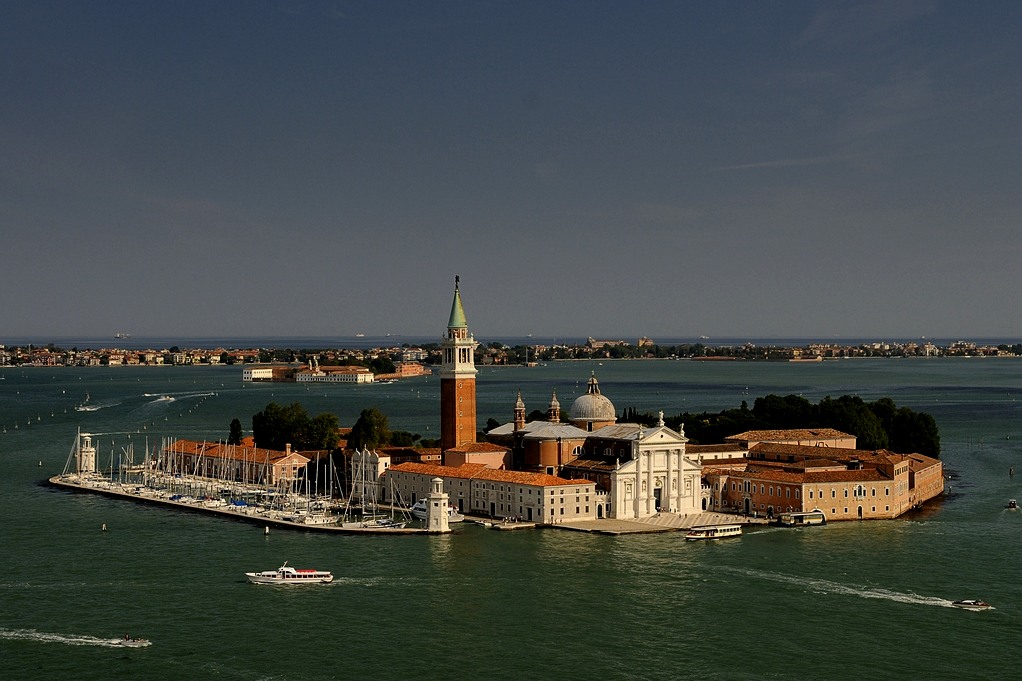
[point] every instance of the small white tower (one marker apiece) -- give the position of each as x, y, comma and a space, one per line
436, 509
86, 455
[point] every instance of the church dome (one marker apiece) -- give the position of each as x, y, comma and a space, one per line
593, 406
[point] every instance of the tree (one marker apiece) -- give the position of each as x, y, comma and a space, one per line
402, 438
914, 432
850, 414
792, 411
382, 365
275, 427
235, 436
371, 430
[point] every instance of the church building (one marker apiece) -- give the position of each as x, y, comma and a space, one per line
638, 471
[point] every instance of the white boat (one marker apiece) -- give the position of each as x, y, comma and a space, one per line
798, 518
1012, 505
129, 642
289, 575
971, 604
418, 510
713, 532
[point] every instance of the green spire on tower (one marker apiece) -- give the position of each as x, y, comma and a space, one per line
457, 320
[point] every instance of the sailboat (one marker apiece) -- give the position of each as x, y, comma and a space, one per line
361, 510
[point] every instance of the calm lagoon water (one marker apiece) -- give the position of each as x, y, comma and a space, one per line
849, 599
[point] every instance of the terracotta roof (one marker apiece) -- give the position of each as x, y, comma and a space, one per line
410, 451
478, 447
725, 447
218, 450
790, 434
477, 471
591, 464
920, 462
811, 477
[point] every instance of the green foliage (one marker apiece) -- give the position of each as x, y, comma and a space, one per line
234, 438
876, 425
850, 414
275, 427
791, 411
371, 430
382, 365
402, 438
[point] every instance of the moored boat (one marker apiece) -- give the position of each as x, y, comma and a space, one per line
418, 509
713, 532
289, 575
798, 518
971, 604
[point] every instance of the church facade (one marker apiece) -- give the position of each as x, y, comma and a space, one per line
638, 471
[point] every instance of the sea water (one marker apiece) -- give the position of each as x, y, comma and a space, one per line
857, 599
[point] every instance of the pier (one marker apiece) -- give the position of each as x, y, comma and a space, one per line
256, 515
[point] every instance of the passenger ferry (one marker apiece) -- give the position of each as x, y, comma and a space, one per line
796, 519
289, 575
713, 532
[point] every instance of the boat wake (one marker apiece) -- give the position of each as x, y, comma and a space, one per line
825, 586
69, 639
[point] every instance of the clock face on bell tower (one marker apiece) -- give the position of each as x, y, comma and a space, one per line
457, 379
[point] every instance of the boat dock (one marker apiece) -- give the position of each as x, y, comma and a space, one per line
251, 514
661, 522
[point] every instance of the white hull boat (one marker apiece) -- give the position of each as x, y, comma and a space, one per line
289, 575
708, 532
131, 642
418, 510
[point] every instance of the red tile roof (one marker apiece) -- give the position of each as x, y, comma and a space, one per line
218, 450
477, 471
790, 434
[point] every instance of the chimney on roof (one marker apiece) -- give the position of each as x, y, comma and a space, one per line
287, 449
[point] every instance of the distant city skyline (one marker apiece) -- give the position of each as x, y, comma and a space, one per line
606, 169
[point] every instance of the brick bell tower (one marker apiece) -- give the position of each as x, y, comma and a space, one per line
457, 380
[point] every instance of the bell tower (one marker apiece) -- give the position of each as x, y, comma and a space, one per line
457, 380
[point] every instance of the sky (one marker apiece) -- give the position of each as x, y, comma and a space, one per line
588, 168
